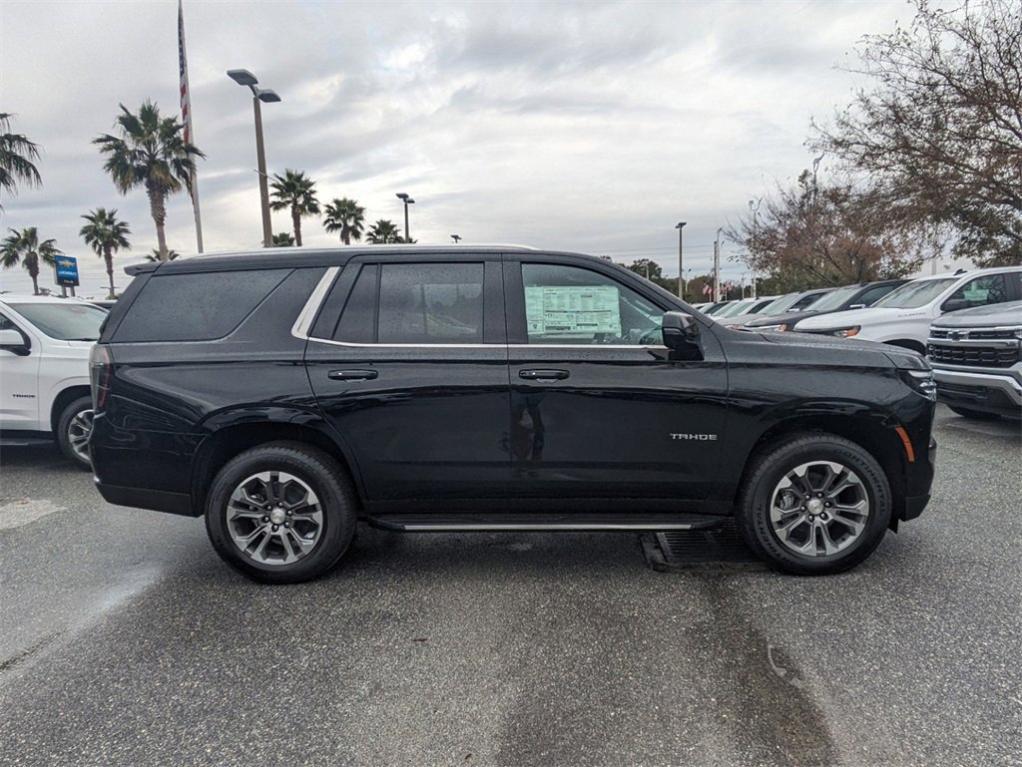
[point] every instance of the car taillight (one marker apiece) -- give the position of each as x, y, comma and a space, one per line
101, 366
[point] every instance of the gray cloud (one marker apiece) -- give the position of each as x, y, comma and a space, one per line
590, 126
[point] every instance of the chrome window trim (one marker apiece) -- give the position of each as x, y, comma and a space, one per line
303, 325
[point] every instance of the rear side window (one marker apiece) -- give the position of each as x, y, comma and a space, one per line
437, 303
196, 307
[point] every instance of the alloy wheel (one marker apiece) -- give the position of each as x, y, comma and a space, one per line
819, 508
274, 518
78, 431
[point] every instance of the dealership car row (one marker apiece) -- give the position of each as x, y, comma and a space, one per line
974, 344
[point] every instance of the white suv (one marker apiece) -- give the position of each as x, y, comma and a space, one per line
44, 371
903, 316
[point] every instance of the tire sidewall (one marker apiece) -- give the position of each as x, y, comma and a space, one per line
67, 415
755, 512
335, 502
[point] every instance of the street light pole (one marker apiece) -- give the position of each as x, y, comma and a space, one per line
455, 238
264, 186
716, 266
680, 226
403, 196
246, 78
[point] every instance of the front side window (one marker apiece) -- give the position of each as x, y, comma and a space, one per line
988, 289
65, 322
569, 305
874, 294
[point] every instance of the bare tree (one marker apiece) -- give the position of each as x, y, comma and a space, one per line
825, 233
939, 130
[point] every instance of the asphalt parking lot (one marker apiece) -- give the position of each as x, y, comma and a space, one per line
125, 641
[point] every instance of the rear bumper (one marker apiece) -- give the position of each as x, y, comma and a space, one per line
142, 498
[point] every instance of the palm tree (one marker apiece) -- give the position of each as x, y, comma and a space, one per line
105, 234
155, 255
296, 191
383, 232
346, 216
283, 240
150, 152
16, 155
24, 247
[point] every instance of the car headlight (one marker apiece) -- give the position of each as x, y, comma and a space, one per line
782, 327
852, 330
922, 381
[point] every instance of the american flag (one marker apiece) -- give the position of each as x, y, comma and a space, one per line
186, 115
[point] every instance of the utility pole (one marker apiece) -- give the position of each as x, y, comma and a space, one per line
716, 266
680, 226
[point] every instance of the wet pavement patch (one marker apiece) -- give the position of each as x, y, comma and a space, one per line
720, 547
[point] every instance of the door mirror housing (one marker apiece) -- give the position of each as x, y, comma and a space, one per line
954, 304
680, 330
12, 341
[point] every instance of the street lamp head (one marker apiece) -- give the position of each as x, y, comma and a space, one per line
242, 77
267, 96
409, 201
402, 196
680, 225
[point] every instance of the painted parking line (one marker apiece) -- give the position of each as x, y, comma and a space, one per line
25, 511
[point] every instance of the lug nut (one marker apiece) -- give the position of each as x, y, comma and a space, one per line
266, 519
275, 528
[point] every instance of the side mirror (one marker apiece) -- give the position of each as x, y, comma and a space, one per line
954, 304
680, 331
12, 341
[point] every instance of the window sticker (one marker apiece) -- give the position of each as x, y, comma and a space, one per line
975, 291
573, 310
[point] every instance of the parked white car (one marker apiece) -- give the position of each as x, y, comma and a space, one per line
44, 371
903, 316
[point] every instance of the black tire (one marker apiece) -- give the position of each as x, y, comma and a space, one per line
64, 424
975, 415
312, 466
771, 465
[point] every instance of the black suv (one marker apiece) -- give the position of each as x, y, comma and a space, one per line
286, 394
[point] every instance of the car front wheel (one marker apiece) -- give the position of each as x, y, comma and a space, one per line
283, 512
815, 504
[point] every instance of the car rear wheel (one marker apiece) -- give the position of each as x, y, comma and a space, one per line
975, 415
815, 504
74, 427
281, 513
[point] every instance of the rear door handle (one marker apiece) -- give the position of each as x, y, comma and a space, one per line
352, 375
543, 375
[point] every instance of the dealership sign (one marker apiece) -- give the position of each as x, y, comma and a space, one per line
66, 269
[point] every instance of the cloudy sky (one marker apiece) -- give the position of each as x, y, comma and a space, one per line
584, 126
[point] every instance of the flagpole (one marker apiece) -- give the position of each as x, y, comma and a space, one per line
186, 118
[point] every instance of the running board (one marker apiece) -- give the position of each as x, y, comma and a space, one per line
537, 522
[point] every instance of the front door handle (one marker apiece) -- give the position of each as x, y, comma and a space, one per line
352, 375
543, 375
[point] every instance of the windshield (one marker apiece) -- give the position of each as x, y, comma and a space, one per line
835, 298
781, 305
734, 309
913, 294
65, 322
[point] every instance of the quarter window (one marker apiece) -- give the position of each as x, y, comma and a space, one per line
571, 305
